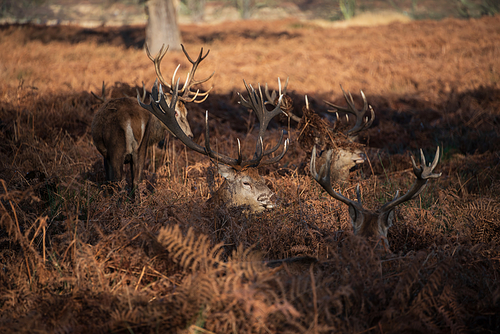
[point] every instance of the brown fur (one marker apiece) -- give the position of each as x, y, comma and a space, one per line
372, 225
122, 130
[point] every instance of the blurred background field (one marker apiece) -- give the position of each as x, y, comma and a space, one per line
92, 13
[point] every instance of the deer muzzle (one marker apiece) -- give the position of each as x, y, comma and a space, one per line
267, 201
358, 158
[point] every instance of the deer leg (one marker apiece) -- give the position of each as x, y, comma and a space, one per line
109, 171
136, 167
116, 171
139, 158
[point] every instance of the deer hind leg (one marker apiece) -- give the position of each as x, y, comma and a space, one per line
139, 157
110, 176
114, 168
136, 167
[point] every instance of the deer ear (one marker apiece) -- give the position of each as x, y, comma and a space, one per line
226, 172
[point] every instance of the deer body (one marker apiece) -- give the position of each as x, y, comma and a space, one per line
122, 131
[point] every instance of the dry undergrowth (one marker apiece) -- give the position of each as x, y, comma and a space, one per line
75, 259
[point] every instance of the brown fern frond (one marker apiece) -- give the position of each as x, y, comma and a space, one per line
425, 305
451, 311
404, 288
484, 219
193, 252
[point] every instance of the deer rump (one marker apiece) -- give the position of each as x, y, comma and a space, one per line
121, 131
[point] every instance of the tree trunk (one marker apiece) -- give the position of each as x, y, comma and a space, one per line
162, 25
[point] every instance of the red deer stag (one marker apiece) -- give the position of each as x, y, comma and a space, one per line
122, 130
243, 186
316, 131
352, 156
369, 223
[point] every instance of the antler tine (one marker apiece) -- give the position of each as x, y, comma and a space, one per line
271, 97
323, 178
157, 61
361, 123
144, 92
284, 88
256, 103
190, 81
166, 114
103, 93
278, 157
423, 174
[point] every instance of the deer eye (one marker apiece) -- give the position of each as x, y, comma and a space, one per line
247, 184
176, 113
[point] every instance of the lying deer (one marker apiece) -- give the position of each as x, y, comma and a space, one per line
316, 131
122, 130
368, 223
243, 186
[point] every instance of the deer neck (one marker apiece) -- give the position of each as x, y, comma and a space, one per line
372, 225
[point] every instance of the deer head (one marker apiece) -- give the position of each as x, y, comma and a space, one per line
186, 95
122, 130
349, 154
243, 186
317, 131
369, 223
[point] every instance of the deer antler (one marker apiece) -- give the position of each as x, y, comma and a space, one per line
144, 92
257, 104
361, 122
187, 95
324, 179
286, 101
166, 114
370, 223
423, 174
101, 98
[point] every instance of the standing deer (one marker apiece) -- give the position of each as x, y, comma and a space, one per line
316, 131
122, 130
243, 186
369, 223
